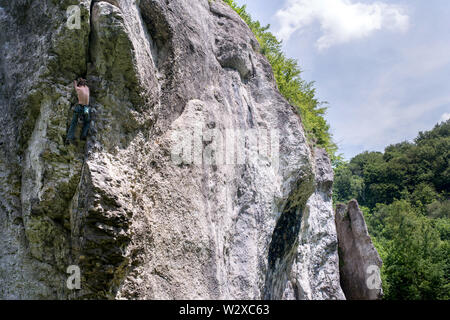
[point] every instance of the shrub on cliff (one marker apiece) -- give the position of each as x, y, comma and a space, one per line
297, 91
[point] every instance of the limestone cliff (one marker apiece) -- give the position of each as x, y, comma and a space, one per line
196, 182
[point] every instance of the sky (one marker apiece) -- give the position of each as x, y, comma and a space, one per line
382, 66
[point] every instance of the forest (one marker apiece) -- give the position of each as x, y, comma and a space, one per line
404, 195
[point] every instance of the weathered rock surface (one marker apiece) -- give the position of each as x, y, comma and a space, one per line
313, 275
359, 260
197, 181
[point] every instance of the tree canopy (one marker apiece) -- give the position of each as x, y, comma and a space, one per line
404, 194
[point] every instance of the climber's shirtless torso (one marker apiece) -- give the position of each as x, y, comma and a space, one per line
83, 94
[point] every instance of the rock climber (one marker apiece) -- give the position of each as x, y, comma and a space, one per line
81, 110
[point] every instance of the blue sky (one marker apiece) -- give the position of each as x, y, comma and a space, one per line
383, 66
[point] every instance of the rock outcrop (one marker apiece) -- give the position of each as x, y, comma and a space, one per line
359, 261
313, 276
196, 182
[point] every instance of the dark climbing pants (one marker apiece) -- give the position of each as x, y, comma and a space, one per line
83, 112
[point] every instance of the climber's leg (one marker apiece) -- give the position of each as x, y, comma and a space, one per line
86, 122
73, 125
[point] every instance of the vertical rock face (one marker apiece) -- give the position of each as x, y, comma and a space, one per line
313, 275
196, 182
359, 260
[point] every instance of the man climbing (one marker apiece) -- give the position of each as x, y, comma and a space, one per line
82, 109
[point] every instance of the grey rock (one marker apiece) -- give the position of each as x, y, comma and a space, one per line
360, 262
151, 206
314, 274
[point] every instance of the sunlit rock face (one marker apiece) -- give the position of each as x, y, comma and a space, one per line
196, 181
313, 275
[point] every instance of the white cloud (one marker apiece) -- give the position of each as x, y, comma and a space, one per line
445, 116
340, 21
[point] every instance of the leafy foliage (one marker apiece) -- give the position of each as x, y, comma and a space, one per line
417, 171
287, 74
404, 194
415, 256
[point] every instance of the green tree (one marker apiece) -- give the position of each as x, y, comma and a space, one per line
404, 195
439, 209
346, 185
418, 171
414, 264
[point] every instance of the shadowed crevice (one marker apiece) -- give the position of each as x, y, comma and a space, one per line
283, 246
